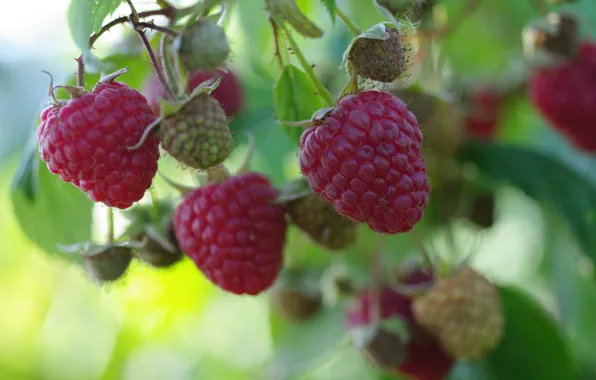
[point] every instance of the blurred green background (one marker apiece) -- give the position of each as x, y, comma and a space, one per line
173, 324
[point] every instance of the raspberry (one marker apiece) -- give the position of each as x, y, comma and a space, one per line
197, 134
85, 142
423, 359
203, 46
484, 114
564, 95
365, 158
464, 312
229, 92
319, 220
380, 60
234, 233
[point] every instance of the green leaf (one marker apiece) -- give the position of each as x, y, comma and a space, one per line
50, 212
299, 348
544, 179
532, 346
25, 178
86, 17
331, 8
289, 11
294, 99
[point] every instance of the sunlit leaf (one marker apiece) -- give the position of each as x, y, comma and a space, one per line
53, 212
86, 17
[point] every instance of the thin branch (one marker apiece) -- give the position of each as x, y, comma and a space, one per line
162, 29
310, 72
349, 23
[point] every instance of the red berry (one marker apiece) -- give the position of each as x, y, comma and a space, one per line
365, 158
234, 233
565, 96
484, 113
424, 359
84, 142
228, 93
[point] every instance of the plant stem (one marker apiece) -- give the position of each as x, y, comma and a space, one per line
80, 72
110, 224
277, 43
169, 12
166, 63
308, 69
349, 23
154, 203
161, 29
155, 64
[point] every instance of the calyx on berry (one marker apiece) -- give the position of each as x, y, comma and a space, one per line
378, 54
104, 263
547, 42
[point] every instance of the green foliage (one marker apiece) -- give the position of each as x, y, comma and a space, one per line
169, 308
40, 203
301, 347
86, 17
544, 179
295, 99
331, 8
528, 329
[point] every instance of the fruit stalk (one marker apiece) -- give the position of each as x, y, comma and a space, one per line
349, 23
110, 225
170, 12
310, 72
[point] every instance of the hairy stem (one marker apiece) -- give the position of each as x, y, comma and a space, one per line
277, 43
155, 64
80, 72
110, 225
169, 12
161, 29
308, 69
349, 23
167, 64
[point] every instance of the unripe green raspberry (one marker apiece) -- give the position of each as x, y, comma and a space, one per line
463, 312
197, 134
108, 264
319, 220
157, 251
377, 59
203, 46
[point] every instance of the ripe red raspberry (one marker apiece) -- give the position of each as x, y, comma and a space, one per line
483, 116
565, 95
85, 140
229, 93
365, 158
234, 233
424, 359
